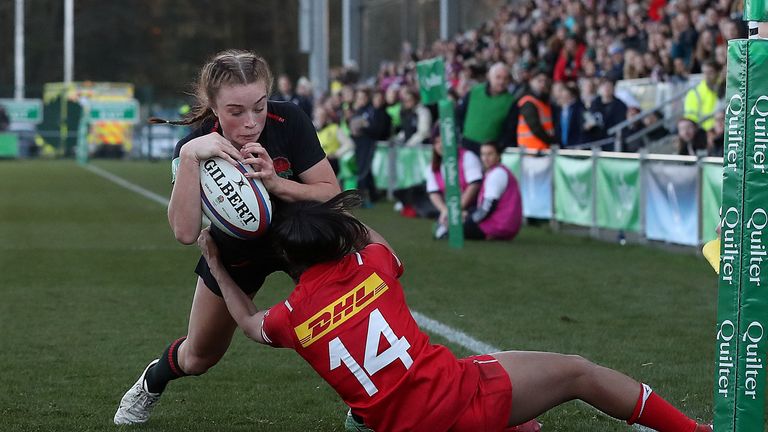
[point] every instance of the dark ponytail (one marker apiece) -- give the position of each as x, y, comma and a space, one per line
310, 233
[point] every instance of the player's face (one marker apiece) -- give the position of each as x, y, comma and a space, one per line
489, 156
242, 112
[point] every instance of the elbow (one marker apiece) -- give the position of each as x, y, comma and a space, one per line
185, 239
185, 236
253, 334
185, 233
333, 189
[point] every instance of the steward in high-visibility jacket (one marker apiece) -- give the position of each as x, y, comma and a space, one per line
535, 126
701, 101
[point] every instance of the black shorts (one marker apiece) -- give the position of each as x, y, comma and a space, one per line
472, 230
249, 262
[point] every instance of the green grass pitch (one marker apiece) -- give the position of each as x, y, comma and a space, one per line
94, 286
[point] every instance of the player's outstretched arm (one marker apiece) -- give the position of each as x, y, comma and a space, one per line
241, 307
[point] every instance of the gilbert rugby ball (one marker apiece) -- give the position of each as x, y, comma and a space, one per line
239, 206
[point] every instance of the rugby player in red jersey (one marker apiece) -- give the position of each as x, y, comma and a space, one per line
347, 317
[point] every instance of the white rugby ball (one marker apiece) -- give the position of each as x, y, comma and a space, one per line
238, 205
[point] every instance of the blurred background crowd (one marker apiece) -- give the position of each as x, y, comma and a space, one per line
566, 61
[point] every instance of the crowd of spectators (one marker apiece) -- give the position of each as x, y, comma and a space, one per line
581, 48
541, 73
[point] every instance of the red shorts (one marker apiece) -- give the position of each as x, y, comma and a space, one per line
490, 406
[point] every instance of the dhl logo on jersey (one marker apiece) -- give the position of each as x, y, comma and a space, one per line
342, 309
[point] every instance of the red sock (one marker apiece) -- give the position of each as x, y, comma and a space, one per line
656, 413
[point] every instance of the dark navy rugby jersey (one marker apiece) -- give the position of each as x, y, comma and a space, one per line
291, 141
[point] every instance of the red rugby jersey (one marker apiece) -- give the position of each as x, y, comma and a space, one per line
350, 322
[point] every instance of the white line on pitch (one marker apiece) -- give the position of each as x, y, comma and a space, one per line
128, 185
456, 336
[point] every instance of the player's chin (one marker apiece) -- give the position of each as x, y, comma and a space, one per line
238, 143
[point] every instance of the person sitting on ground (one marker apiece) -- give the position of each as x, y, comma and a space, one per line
499, 211
470, 177
384, 367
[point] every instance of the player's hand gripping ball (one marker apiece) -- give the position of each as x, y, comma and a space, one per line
238, 205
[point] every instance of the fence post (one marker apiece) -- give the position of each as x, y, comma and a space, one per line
553, 222
594, 232
641, 190
392, 168
82, 149
522, 180
700, 216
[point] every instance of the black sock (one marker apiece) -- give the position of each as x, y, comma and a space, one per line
166, 369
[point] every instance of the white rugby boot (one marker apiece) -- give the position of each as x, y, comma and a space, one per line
137, 402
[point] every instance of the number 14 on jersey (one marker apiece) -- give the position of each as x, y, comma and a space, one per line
373, 361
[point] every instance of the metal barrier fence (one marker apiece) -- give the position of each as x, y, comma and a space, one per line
673, 199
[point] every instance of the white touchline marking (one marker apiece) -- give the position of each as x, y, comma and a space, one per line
456, 336
128, 185
453, 335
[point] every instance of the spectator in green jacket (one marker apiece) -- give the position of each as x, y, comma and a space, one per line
487, 112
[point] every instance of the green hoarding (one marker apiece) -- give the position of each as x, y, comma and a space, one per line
618, 194
410, 166
711, 197
573, 190
512, 161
